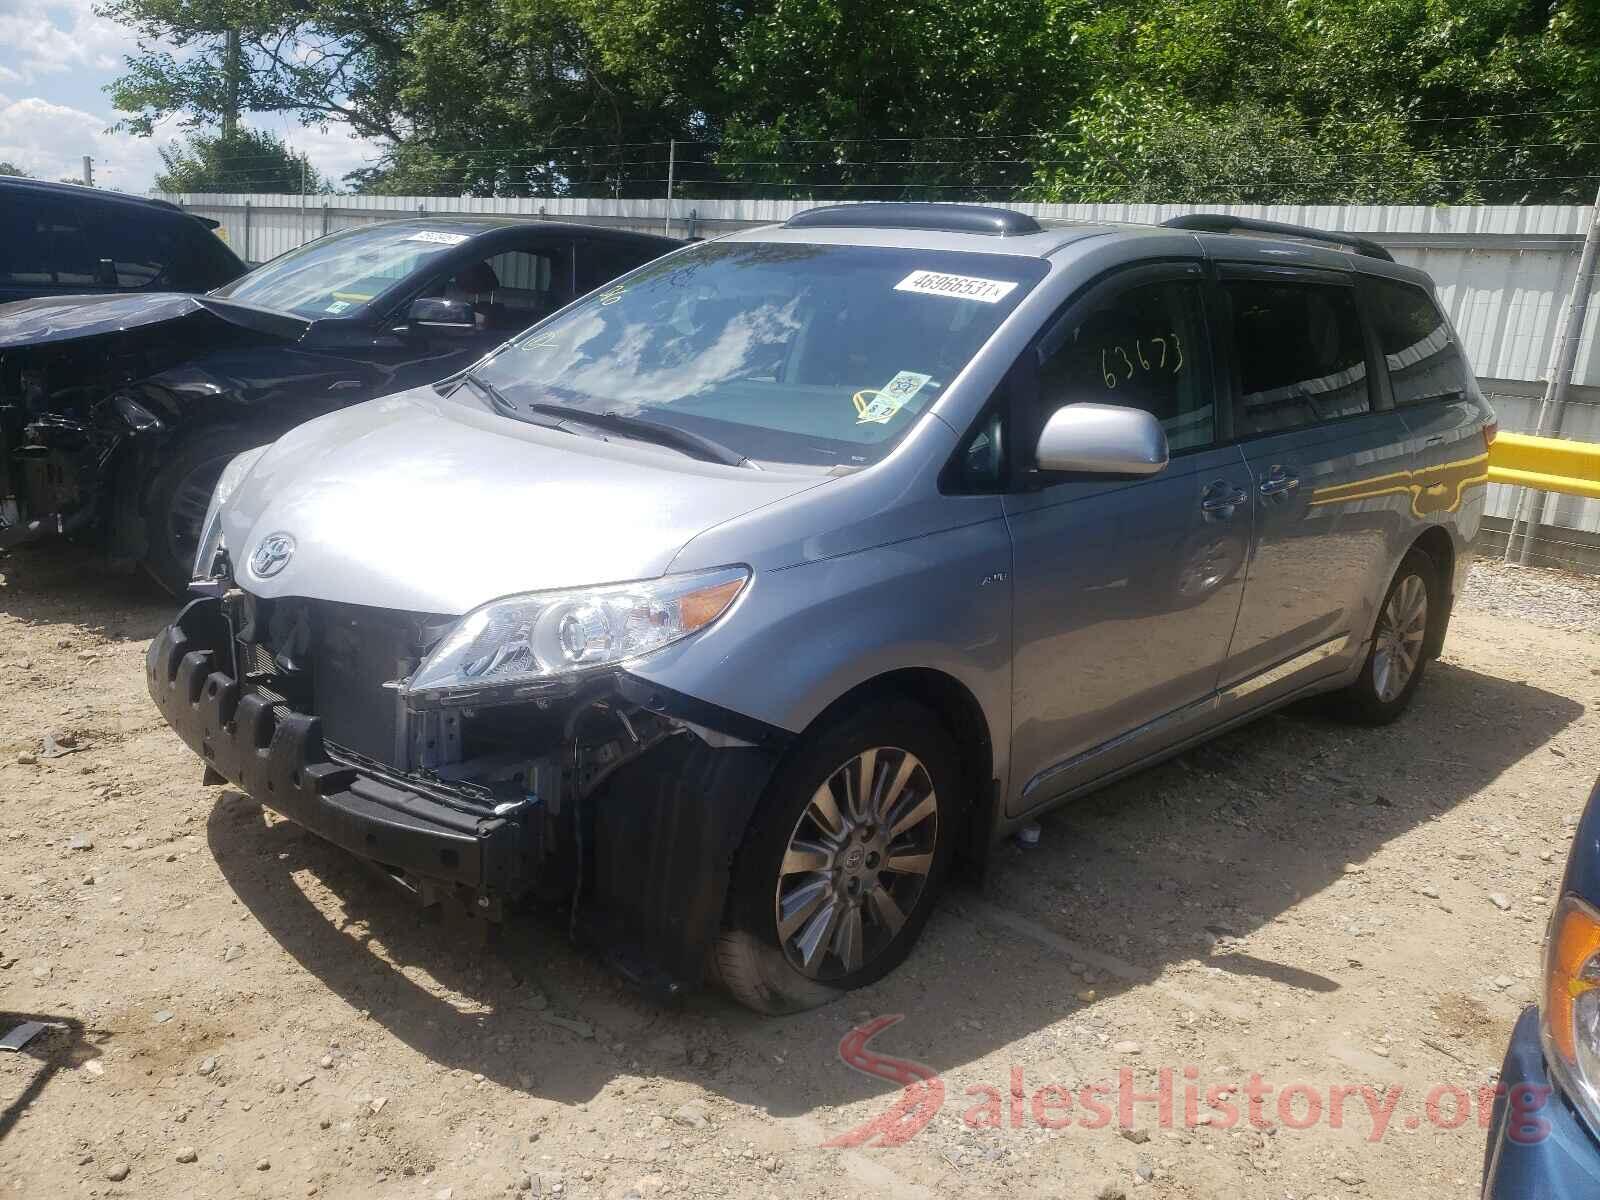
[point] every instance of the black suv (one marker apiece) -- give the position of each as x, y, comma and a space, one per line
59, 239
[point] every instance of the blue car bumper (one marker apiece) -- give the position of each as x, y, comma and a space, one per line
1539, 1148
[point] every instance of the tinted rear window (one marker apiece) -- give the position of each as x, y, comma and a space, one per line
67, 242
1423, 359
1302, 359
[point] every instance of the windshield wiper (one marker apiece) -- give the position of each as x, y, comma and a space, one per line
696, 445
490, 392
498, 398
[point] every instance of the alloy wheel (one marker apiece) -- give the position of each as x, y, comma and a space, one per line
857, 863
1397, 647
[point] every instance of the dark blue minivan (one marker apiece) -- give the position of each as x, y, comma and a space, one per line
1543, 1134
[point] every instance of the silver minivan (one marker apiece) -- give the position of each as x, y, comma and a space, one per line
736, 603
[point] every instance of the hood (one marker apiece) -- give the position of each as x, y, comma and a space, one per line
422, 504
64, 318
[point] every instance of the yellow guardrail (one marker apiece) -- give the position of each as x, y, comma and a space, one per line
1549, 464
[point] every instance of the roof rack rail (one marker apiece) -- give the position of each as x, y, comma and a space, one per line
1222, 223
895, 214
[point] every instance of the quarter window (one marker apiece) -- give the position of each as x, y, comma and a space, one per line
1302, 359
1142, 348
1423, 359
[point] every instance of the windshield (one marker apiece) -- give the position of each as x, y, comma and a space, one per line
337, 274
822, 355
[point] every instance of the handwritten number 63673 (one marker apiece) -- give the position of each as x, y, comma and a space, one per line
1149, 355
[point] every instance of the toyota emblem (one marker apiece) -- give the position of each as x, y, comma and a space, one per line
272, 555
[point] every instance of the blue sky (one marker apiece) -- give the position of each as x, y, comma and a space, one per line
55, 59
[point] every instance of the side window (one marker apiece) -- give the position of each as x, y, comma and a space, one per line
1143, 348
45, 245
142, 252
981, 464
525, 285
204, 260
1423, 359
511, 290
1302, 359
601, 261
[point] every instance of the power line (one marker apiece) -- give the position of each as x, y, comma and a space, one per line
554, 148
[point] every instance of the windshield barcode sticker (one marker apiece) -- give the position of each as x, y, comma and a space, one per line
443, 239
959, 287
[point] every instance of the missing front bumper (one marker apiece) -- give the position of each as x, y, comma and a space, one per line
282, 762
651, 839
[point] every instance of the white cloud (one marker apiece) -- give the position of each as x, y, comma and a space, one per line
49, 140
64, 54
48, 39
334, 151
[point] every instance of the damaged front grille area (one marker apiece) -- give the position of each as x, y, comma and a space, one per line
342, 664
336, 662
620, 798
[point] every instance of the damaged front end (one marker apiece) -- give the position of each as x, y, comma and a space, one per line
87, 398
62, 425
602, 790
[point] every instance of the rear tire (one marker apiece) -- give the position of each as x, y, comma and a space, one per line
834, 883
176, 501
1398, 654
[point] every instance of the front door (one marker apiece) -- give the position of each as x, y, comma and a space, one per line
1126, 591
1328, 478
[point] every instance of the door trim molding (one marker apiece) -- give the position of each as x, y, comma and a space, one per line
1252, 684
1177, 717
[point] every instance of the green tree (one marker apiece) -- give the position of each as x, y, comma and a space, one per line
10, 168
253, 160
1201, 100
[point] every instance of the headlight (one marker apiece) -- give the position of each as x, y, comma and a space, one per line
211, 531
1570, 1014
524, 643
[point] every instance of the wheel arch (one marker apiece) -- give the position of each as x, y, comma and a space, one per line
968, 726
1436, 543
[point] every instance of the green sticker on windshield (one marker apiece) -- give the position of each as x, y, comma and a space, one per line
879, 407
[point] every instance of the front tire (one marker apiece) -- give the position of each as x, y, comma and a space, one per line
180, 492
838, 873
1398, 655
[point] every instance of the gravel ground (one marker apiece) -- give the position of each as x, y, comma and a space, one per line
247, 1012
1545, 596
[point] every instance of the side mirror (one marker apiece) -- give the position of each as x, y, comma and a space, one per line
442, 314
1102, 439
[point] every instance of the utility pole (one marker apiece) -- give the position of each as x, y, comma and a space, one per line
1563, 360
230, 83
88, 171
672, 165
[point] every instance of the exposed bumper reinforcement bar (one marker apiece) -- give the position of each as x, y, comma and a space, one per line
283, 764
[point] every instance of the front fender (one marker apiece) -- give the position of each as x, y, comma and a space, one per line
280, 384
801, 637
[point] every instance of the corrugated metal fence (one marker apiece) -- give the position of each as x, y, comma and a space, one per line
1503, 272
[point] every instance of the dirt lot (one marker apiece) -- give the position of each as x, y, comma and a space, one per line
250, 1013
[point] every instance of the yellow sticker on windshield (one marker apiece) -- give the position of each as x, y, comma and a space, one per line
878, 406
613, 295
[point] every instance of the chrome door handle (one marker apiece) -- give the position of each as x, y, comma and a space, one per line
1279, 484
1226, 502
